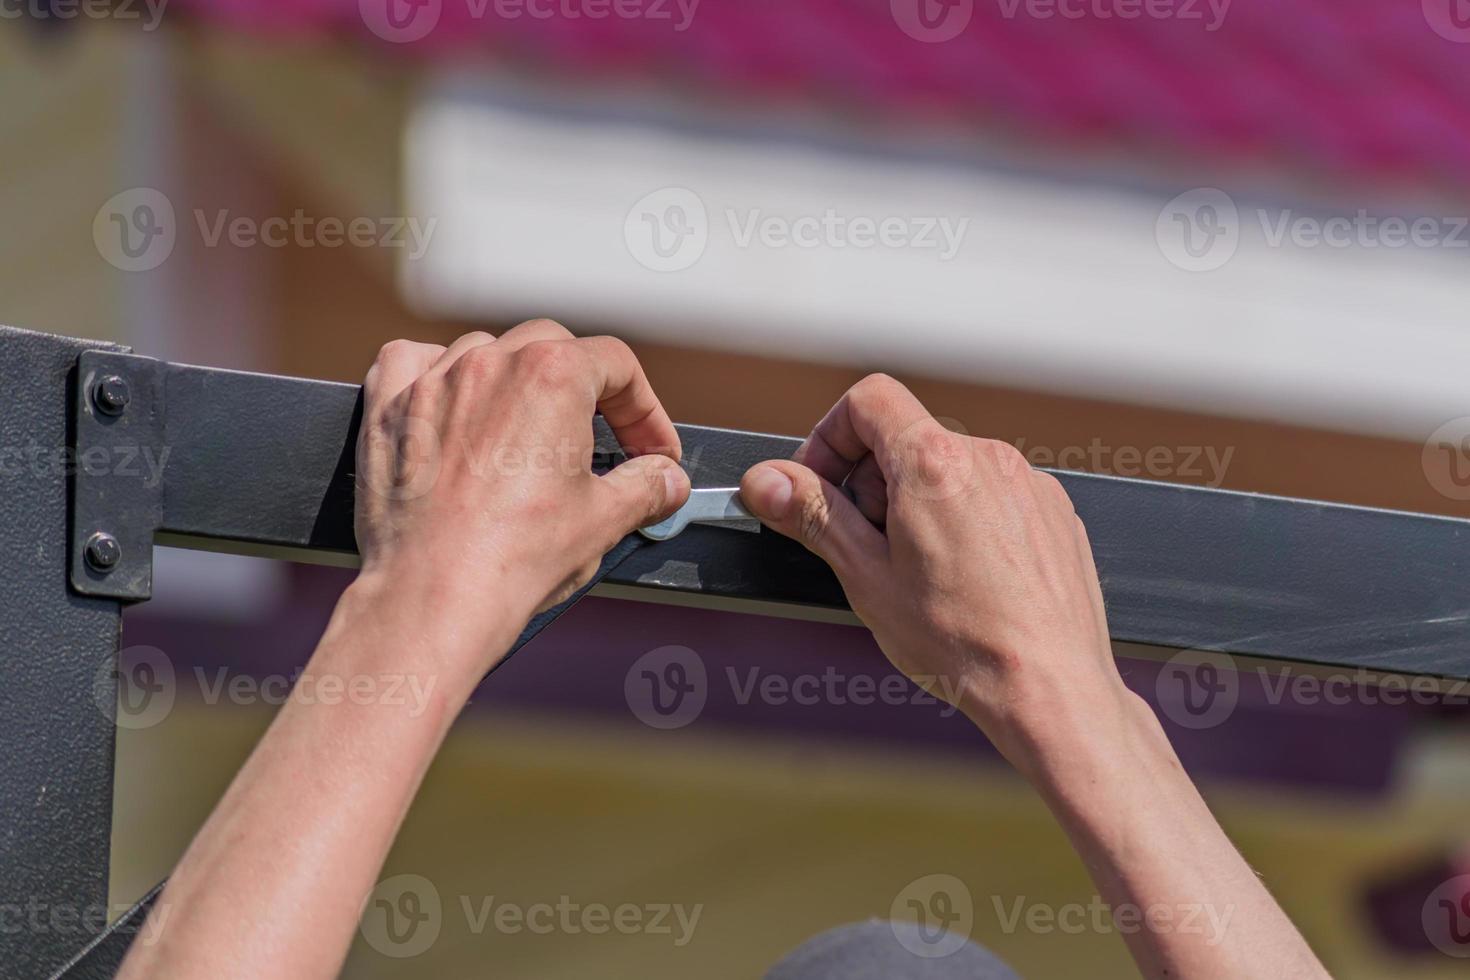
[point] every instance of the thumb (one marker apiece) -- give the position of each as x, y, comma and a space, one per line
791, 499
641, 491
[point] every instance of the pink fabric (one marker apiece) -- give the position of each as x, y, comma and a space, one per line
1356, 86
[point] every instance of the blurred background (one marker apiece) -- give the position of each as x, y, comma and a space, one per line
1203, 241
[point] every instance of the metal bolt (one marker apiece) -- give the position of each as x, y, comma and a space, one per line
103, 552
110, 394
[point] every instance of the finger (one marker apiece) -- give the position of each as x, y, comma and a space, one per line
531, 331
399, 364
639, 492
626, 400
867, 488
791, 499
456, 350
869, 418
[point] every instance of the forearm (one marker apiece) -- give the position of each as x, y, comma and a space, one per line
275, 880
1183, 898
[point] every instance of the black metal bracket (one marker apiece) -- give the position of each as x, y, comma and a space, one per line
120, 456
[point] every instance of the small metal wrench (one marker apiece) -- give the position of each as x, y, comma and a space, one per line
703, 507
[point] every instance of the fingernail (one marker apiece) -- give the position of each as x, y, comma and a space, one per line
673, 483
770, 490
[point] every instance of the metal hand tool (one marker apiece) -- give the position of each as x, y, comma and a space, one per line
704, 507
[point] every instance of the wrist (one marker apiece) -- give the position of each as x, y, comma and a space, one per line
1104, 761
403, 622
1056, 731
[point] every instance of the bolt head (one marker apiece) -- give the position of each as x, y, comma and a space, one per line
103, 552
110, 394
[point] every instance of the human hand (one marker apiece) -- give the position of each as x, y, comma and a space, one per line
476, 502
972, 569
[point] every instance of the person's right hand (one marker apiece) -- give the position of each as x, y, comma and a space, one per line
477, 504
971, 569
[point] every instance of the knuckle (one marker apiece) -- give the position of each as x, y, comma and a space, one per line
475, 365
421, 398
395, 350
547, 363
934, 443
642, 496
478, 337
547, 325
615, 346
930, 456
814, 517
876, 390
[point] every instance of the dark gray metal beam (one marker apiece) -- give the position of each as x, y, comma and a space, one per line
261, 462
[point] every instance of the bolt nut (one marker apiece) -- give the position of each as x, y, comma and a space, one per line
103, 552
110, 394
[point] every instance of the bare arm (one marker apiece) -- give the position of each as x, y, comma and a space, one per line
476, 508
975, 575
